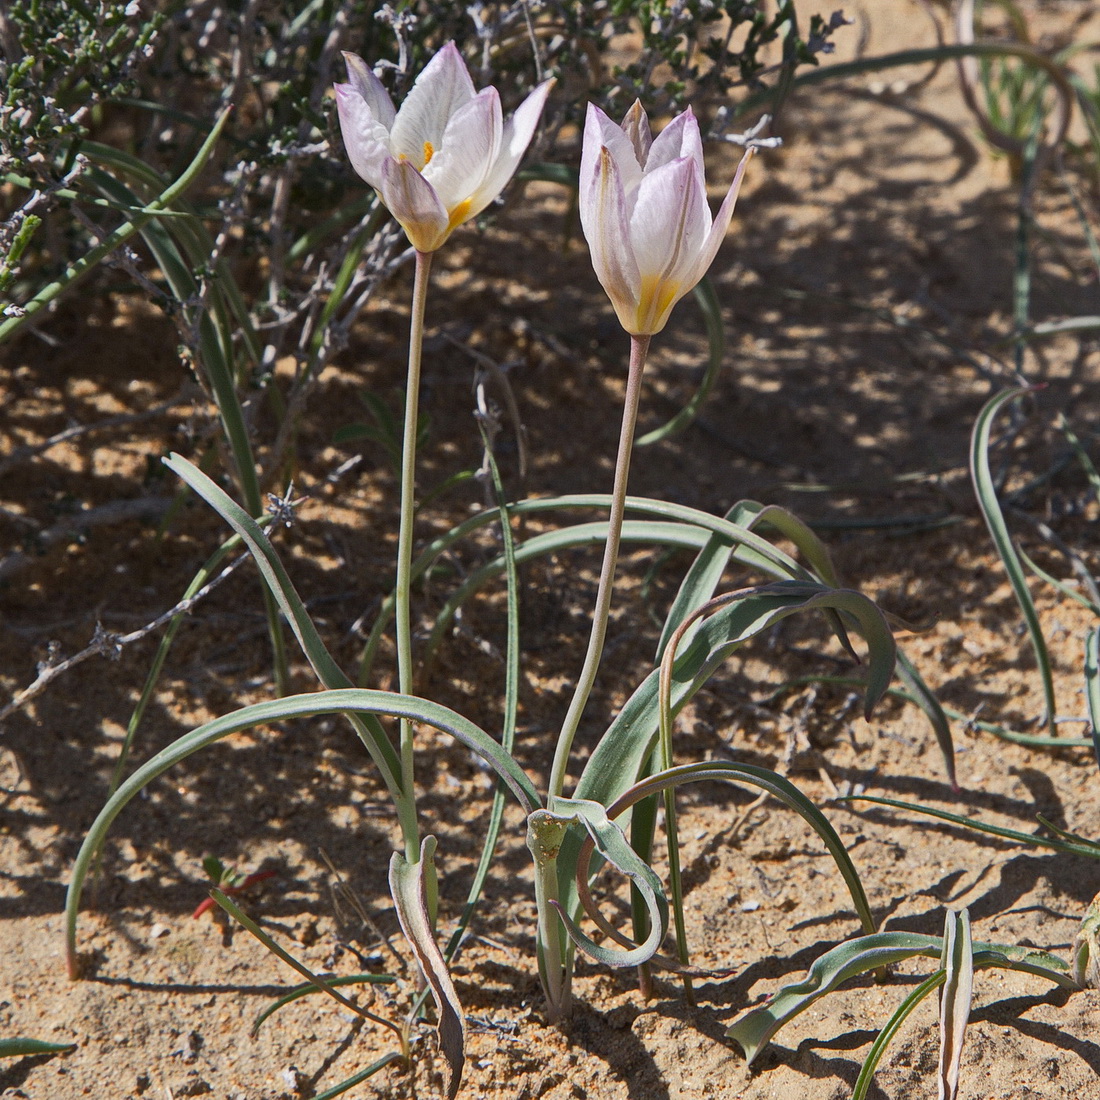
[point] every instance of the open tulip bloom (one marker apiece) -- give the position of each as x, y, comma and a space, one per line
445, 155
644, 211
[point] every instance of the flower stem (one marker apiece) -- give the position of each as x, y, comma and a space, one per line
405, 539
639, 347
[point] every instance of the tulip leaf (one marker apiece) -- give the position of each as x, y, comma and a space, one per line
348, 701
706, 571
408, 888
886, 1035
955, 999
617, 760
754, 1029
279, 584
318, 983
1073, 844
751, 548
307, 989
986, 492
614, 847
679, 535
779, 787
26, 1048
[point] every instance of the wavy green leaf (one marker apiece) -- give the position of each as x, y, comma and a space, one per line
610, 841
754, 1029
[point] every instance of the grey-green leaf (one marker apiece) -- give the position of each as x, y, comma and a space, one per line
407, 886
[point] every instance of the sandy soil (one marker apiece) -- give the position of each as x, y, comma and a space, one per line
867, 295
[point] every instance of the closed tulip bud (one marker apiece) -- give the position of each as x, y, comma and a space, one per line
644, 211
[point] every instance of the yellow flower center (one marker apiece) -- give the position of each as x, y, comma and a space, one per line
459, 214
429, 152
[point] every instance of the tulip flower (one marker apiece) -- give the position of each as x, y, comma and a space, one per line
445, 155
644, 211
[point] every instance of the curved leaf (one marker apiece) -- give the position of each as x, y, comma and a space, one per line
986, 492
609, 840
776, 785
282, 589
347, 701
617, 760
307, 989
753, 1030
409, 892
882, 1041
751, 548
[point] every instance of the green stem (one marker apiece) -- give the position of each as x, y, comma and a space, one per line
405, 535
639, 347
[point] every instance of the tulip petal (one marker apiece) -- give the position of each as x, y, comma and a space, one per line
363, 80
606, 228
412, 200
601, 133
668, 229
439, 91
636, 127
518, 131
680, 138
722, 219
470, 145
365, 138
670, 221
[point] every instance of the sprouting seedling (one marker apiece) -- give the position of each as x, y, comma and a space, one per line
228, 880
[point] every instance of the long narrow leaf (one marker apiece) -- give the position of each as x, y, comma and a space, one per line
751, 548
319, 984
780, 788
363, 1075
554, 542
611, 843
348, 701
886, 1035
1092, 688
281, 588
955, 999
1079, 846
617, 760
754, 1029
24, 1048
986, 493
409, 892
307, 989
